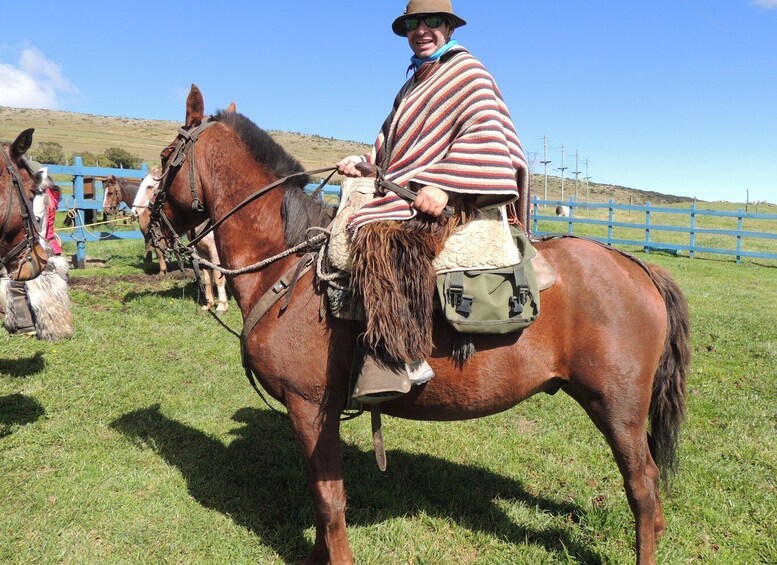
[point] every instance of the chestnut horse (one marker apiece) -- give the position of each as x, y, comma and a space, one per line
613, 333
29, 280
116, 191
21, 254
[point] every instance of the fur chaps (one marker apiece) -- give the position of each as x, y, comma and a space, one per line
48, 301
394, 277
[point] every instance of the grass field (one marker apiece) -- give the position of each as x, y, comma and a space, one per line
140, 441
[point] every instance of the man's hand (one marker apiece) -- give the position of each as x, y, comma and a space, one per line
347, 166
431, 200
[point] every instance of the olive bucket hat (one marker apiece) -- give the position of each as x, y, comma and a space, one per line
422, 7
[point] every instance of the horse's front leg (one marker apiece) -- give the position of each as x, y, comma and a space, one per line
207, 282
221, 287
317, 427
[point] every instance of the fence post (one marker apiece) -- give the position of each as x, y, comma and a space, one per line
647, 227
609, 225
535, 213
570, 228
739, 235
78, 196
692, 242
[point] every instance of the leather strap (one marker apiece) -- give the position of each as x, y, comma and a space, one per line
377, 437
283, 286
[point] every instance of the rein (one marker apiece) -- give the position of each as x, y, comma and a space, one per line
23, 249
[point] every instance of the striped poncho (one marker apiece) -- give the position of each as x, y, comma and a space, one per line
449, 128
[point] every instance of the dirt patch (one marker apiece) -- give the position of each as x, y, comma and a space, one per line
116, 286
141, 279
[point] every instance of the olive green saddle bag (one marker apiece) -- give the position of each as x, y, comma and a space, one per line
495, 301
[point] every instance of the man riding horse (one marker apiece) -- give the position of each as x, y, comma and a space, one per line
450, 139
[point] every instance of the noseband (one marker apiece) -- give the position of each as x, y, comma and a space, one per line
31, 260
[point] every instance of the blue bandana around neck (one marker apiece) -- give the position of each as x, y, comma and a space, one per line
417, 62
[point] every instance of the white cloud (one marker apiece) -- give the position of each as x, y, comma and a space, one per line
34, 82
765, 4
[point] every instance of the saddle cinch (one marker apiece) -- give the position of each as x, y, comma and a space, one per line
489, 277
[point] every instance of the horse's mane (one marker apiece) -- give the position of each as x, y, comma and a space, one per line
300, 210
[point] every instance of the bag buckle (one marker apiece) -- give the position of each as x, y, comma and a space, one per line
455, 292
464, 308
517, 302
461, 302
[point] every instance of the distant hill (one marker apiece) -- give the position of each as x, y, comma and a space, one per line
146, 138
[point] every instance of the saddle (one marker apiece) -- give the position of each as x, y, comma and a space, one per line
486, 243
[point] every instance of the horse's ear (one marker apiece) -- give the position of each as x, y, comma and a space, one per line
21, 144
232, 108
195, 107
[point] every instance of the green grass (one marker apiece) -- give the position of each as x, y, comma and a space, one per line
140, 441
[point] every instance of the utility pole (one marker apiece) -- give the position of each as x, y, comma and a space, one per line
562, 169
587, 178
545, 162
577, 173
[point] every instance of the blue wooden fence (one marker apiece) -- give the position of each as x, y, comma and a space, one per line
650, 241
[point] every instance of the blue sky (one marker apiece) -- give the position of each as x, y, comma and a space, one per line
676, 96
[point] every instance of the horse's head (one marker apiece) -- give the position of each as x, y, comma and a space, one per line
21, 253
225, 169
178, 198
112, 195
147, 191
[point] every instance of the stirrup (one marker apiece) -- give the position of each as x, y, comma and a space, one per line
379, 382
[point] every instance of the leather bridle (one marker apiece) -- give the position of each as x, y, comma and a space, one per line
29, 253
173, 157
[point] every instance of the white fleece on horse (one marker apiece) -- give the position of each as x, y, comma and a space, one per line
48, 299
483, 243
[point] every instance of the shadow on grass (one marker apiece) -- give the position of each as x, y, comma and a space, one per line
22, 367
18, 409
259, 481
152, 267
188, 290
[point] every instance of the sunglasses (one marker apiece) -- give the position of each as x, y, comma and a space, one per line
432, 22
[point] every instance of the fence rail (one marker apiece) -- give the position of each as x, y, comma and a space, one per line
690, 229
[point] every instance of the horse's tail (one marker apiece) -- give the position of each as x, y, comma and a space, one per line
667, 403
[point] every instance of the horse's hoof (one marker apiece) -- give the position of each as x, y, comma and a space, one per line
222, 308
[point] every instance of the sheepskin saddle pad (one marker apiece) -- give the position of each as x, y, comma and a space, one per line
483, 243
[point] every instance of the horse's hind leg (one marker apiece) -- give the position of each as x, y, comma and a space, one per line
622, 418
317, 428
